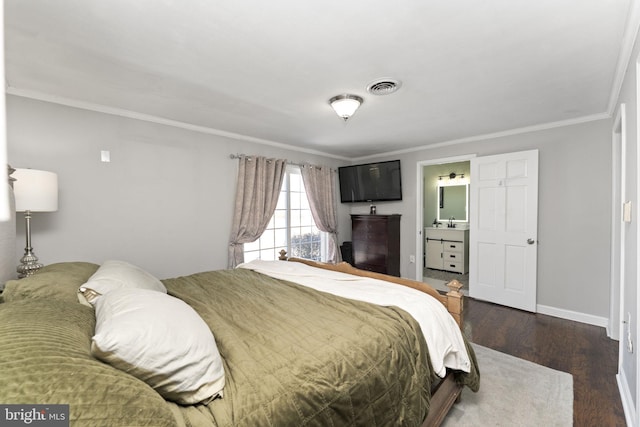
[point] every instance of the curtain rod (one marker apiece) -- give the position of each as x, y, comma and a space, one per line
239, 155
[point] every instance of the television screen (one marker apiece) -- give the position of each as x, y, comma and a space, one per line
371, 182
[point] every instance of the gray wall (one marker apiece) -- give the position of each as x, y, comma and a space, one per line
573, 214
164, 201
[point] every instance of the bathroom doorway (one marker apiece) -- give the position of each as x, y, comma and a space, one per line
441, 183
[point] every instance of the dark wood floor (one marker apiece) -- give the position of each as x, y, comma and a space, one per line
577, 348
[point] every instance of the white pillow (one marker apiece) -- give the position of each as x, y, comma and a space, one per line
160, 340
114, 274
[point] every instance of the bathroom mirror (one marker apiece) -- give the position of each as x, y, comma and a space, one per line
453, 202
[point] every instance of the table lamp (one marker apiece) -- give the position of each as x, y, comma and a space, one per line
35, 191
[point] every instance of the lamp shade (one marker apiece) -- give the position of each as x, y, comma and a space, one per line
35, 190
345, 105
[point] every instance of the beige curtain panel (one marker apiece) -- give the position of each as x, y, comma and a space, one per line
320, 185
258, 187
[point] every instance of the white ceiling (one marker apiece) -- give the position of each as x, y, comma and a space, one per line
265, 70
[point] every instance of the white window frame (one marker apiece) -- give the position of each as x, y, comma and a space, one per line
278, 234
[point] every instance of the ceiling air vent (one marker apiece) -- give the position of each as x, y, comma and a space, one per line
383, 86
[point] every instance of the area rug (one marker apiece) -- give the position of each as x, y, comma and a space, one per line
446, 276
438, 279
514, 392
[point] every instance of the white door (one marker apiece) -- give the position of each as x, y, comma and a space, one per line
433, 253
503, 229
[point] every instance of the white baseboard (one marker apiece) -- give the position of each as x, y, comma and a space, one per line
573, 315
627, 402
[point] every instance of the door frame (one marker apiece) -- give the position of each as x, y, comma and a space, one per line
420, 204
618, 173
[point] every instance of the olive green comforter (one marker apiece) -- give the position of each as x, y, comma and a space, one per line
292, 356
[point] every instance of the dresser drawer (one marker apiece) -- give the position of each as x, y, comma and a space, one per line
455, 266
371, 250
453, 246
378, 238
452, 256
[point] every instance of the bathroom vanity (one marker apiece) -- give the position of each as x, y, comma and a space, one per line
447, 249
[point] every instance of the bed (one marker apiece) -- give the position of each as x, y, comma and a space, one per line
291, 354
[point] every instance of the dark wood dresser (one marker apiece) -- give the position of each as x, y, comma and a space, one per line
376, 243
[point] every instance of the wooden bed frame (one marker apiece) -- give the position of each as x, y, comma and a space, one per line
447, 392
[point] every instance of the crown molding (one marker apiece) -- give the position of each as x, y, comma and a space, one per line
484, 137
40, 96
624, 57
210, 131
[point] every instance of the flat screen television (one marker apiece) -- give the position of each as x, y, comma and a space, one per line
371, 182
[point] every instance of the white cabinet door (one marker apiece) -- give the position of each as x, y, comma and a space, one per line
434, 254
503, 238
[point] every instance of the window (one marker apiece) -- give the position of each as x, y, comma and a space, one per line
291, 227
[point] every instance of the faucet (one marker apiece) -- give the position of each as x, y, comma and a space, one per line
451, 224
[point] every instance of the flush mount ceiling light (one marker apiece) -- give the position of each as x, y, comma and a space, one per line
345, 105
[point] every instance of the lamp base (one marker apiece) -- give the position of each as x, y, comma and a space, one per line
28, 265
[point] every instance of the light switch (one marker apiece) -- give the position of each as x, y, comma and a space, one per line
105, 156
626, 211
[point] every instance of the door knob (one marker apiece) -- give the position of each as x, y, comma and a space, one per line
530, 241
